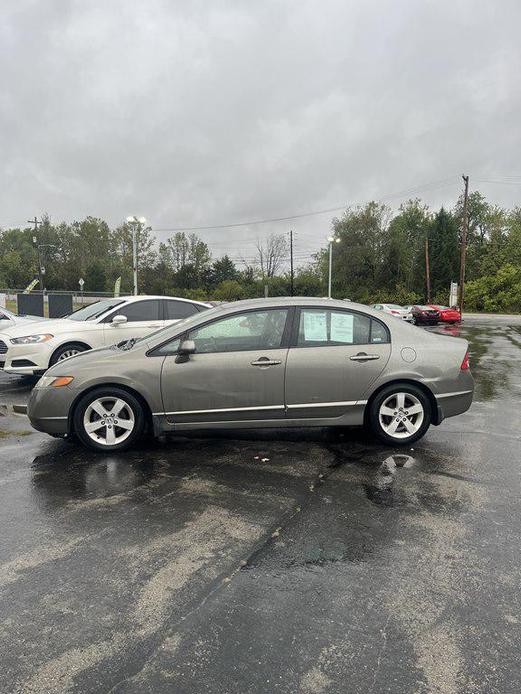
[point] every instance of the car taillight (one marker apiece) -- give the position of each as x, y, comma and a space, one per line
396, 313
465, 363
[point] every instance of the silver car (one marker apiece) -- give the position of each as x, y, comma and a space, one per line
396, 310
284, 362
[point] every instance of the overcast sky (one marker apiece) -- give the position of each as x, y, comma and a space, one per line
197, 113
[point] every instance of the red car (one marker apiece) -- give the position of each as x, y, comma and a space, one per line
447, 315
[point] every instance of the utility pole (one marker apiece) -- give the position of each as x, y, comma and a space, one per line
427, 270
291, 259
35, 221
332, 240
463, 249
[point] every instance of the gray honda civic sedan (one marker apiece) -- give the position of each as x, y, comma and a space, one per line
283, 362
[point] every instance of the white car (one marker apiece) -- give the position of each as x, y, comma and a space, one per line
396, 311
30, 348
8, 319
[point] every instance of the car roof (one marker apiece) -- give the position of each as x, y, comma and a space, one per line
322, 302
140, 297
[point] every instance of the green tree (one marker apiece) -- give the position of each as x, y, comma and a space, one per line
357, 258
229, 290
443, 251
222, 270
96, 277
403, 263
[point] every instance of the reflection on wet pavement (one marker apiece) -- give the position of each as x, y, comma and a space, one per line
381, 490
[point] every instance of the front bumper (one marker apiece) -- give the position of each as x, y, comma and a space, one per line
48, 409
24, 359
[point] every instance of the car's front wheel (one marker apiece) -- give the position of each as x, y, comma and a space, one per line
400, 414
66, 351
109, 419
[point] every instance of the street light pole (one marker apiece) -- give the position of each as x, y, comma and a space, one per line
332, 240
135, 223
36, 222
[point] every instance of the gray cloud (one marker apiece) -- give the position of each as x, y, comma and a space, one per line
194, 113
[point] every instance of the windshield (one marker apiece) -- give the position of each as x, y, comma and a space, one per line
94, 310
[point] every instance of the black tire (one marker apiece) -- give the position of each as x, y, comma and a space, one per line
386, 394
70, 347
110, 393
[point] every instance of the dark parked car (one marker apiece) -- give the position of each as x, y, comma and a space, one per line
447, 314
424, 315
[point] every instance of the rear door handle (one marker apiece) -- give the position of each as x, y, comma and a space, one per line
362, 356
264, 361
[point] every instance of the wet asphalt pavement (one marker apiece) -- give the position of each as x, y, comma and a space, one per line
296, 561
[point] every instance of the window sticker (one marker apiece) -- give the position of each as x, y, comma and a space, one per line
342, 327
315, 326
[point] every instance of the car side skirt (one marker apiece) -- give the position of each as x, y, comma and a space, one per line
353, 416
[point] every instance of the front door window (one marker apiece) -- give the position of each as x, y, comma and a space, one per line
254, 330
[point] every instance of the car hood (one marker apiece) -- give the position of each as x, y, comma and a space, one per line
43, 325
18, 320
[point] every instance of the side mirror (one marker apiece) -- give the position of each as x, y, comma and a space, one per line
118, 320
186, 348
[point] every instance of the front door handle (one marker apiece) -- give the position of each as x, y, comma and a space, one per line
362, 356
265, 361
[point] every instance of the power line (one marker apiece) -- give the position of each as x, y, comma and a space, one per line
501, 183
329, 210
507, 179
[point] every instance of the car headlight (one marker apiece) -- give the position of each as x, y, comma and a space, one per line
54, 381
30, 339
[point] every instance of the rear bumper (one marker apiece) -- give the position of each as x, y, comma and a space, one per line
452, 404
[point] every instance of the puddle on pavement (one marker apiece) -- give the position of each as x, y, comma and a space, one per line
58, 481
381, 490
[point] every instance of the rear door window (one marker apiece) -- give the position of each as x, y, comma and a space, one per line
176, 310
325, 327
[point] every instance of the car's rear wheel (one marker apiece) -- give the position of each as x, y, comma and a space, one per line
109, 419
66, 351
400, 414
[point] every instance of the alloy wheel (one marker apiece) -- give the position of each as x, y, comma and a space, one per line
401, 415
69, 353
108, 421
